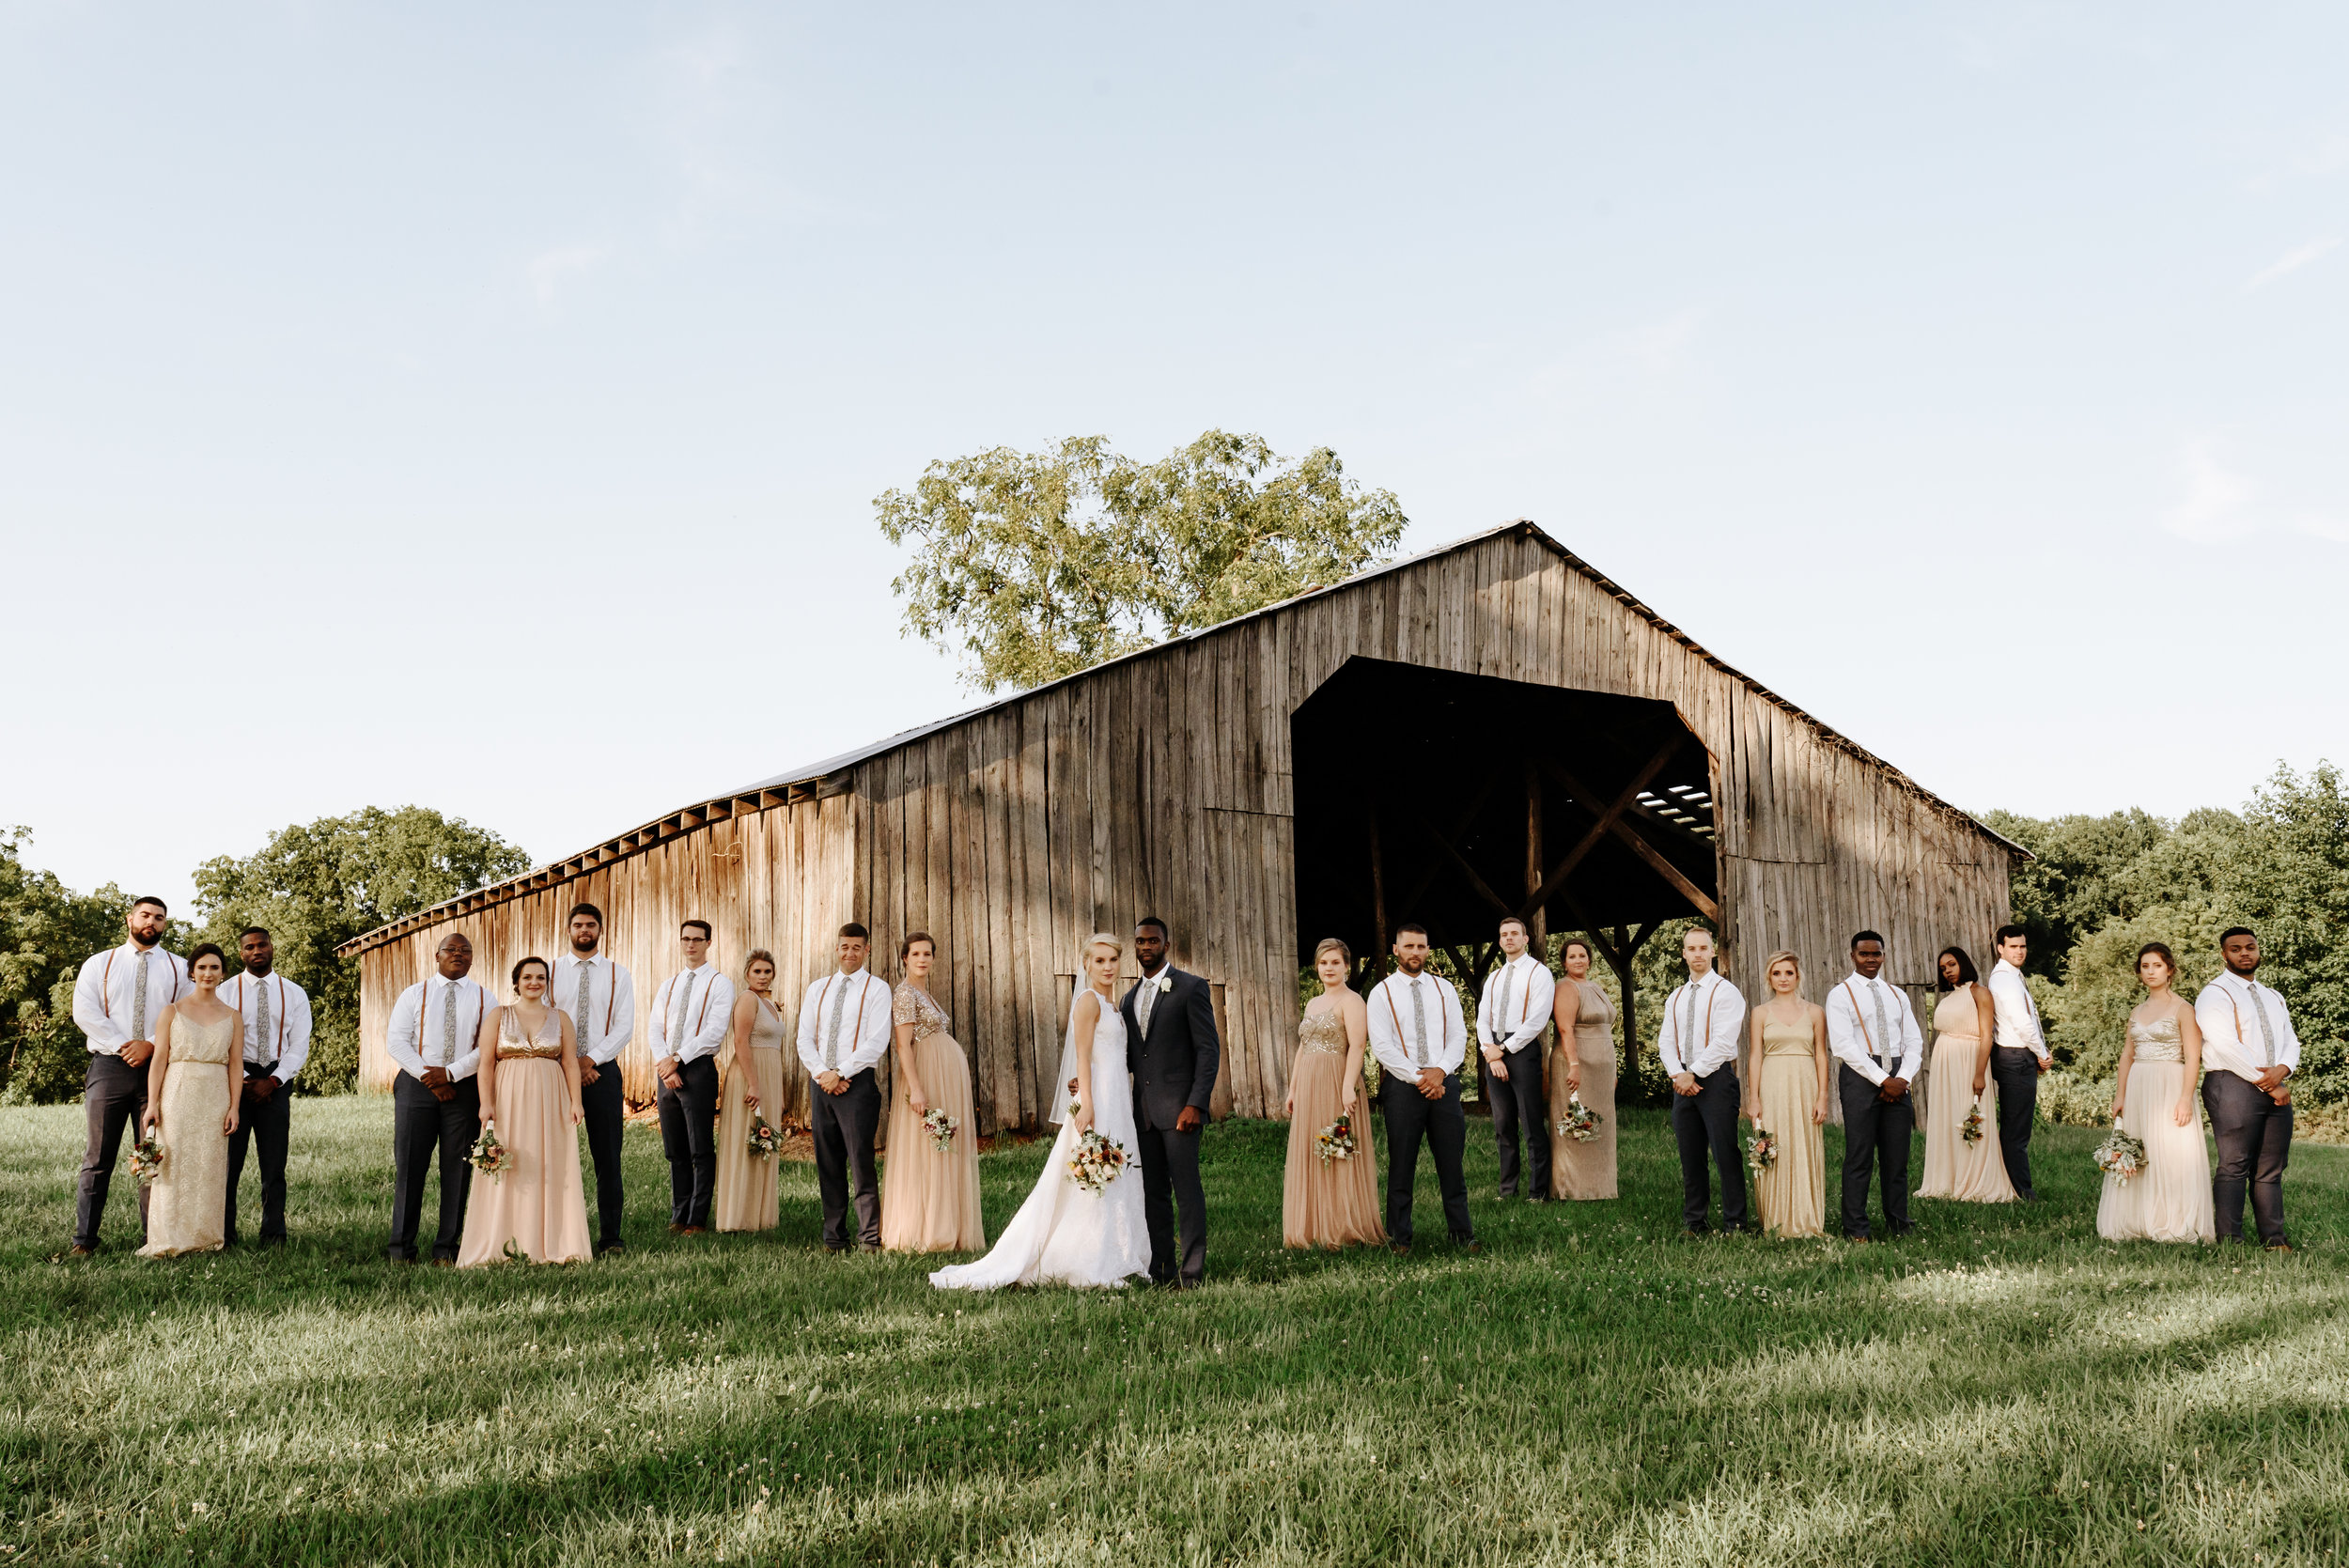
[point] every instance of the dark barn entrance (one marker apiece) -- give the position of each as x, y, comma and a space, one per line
1457, 800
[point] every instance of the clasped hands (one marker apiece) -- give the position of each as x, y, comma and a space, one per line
2271, 1083
436, 1080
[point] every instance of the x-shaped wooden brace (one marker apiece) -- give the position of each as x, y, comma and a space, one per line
1611, 821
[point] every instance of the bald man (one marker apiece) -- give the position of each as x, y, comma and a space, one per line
435, 1037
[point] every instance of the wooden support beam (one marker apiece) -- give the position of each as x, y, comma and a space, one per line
1484, 889
1536, 923
1377, 892
1613, 823
1608, 821
1458, 827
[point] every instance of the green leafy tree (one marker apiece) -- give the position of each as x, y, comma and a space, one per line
1039, 565
2294, 892
317, 885
46, 930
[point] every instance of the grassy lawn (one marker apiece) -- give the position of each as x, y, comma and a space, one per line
2003, 1388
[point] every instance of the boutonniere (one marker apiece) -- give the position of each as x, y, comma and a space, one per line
1166, 983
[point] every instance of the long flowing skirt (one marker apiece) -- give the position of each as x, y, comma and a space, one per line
2172, 1200
1791, 1192
1584, 1170
1064, 1235
745, 1197
538, 1204
1337, 1203
930, 1196
187, 1205
1968, 1173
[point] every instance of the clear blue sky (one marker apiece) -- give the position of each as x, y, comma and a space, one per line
489, 400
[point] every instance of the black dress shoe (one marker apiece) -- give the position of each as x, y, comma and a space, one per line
273, 1241
611, 1247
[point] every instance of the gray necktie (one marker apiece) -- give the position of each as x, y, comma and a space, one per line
579, 1012
1500, 1019
448, 1023
1419, 1022
831, 1035
1688, 1054
684, 1001
2267, 1031
1145, 1003
262, 1051
1885, 1053
138, 999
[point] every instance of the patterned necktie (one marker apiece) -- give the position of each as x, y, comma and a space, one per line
2267, 1031
684, 1001
448, 1023
579, 1010
1418, 1022
138, 999
1147, 1003
831, 1036
260, 1028
1885, 1053
1688, 1052
1500, 1019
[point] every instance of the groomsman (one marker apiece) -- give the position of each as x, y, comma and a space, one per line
276, 1035
1171, 1050
1420, 1038
599, 997
116, 999
435, 1039
1511, 1017
2249, 1053
1873, 1030
1704, 1020
843, 1030
689, 1024
2018, 1057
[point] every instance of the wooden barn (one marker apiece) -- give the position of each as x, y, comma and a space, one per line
1491, 727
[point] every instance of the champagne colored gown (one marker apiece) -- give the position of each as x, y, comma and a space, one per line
1331, 1204
746, 1194
1967, 1173
186, 1208
2171, 1200
1791, 1193
538, 1204
1585, 1169
930, 1196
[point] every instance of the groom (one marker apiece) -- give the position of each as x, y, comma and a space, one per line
1172, 1050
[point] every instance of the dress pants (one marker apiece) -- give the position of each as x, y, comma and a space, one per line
422, 1122
267, 1122
845, 1125
1875, 1133
1170, 1181
1411, 1116
2016, 1071
112, 1095
1520, 1102
605, 1112
2254, 1138
689, 1135
1707, 1123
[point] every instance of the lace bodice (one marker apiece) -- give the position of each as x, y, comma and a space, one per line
1322, 1032
548, 1043
2158, 1041
909, 1003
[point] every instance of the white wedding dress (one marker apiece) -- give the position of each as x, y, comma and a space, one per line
1064, 1235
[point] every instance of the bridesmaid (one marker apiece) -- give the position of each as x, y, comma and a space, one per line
2161, 1067
530, 1089
1788, 1099
194, 1081
1962, 1022
745, 1196
1329, 1204
930, 1200
1585, 1061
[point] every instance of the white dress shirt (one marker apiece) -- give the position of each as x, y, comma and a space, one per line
1515, 1008
850, 1014
287, 1046
1395, 1024
2015, 1017
689, 1014
2229, 1011
610, 1020
418, 1036
105, 994
1704, 1020
1872, 1028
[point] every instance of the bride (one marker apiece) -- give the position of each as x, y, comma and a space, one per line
1064, 1235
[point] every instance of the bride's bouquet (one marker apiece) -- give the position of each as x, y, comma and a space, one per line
1098, 1161
2122, 1155
1972, 1131
942, 1128
488, 1155
147, 1157
1763, 1150
1581, 1123
1336, 1140
763, 1139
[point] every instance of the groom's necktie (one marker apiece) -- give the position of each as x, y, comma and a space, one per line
260, 1028
1145, 1005
579, 1010
138, 999
1418, 1022
448, 1023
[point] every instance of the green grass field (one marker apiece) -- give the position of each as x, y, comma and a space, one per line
2001, 1389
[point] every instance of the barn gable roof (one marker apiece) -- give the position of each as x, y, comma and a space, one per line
829, 776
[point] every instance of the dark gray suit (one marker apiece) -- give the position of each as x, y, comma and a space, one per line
1173, 1066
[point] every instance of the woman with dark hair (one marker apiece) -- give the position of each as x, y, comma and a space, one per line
1962, 1032
1330, 1202
1584, 1066
194, 1083
750, 1082
930, 1195
2161, 1067
536, 1207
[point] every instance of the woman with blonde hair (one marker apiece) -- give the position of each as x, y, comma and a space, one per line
929, 1192
1787, 1099
2161, 1067
1330, 1202
750, 1083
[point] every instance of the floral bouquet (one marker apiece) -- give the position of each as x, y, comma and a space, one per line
763, 1138
147, 1157
2122, 1155
1581, 1123
1972, 1131
942, 1128
1098, 1161
489, 1155
1763, 1150
1336, 1140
